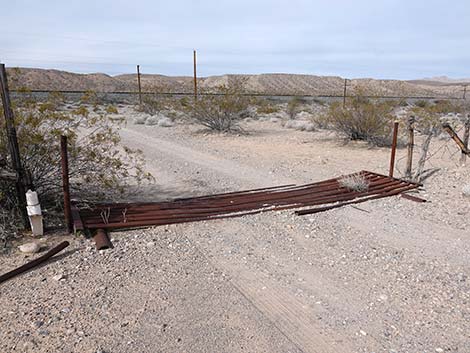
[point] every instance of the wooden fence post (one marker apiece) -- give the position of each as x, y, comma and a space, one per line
394, 148
466, 136
410, 146
65, 183
13, 146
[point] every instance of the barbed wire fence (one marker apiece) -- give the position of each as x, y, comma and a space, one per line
446, 150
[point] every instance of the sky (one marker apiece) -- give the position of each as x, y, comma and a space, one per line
391, 39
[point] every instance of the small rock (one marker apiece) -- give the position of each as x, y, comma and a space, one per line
165, 122
466, 191
38, 324
30, 248
439, 350
43, 332
58, 277
363, 332
383, 297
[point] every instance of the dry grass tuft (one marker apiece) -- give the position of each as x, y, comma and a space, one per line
355, 182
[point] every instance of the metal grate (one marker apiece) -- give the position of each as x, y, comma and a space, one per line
236, 204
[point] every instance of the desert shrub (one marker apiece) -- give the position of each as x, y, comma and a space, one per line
158, 101
293, 107
321, 120
89, 97
152, 104
98, 161
8, 226
402, 103
354, 182
220, 112
362, 119
422, 103
111, 109
263, 107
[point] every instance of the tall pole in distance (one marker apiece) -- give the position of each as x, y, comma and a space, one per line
64, 159
195, 74
464, 92
344, 92
394, 149
13, 146
140, 87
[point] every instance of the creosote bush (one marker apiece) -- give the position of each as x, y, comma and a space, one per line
293, 107
362, 119
158, 101
221, 112
98, 162
263, 106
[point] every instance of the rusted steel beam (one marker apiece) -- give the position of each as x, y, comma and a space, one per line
379, 196
155, 220
456, 138
77, 220
325, 196
394, 149
101, 239
229, 208
236, 204
413, 198
34, 262
65, 183
239, 200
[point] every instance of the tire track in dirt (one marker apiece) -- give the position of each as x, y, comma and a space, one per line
285, 311
155, 148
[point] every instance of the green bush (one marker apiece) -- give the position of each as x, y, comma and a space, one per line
98, 161
220, 112
265, 107
293, 107
362, 119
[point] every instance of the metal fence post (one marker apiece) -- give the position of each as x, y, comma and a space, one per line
394, 148
65, 183
13, 146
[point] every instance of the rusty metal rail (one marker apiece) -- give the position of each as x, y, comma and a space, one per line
32, 264
236, 204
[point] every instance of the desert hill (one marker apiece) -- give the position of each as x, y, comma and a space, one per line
276, 83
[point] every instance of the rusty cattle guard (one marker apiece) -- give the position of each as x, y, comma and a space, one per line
328, 192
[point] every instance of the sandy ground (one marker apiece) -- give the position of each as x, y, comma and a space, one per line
389, 275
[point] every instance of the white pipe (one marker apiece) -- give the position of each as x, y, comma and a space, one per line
34, 213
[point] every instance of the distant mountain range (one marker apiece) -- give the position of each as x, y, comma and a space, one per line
448, 80
275, 84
